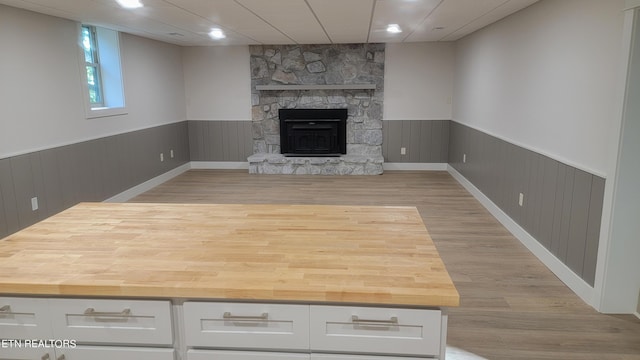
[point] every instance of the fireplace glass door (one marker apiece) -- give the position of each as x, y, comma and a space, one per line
313, 137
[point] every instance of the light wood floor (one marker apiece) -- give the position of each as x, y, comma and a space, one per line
512, 306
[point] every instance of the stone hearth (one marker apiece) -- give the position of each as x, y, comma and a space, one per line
337, 64
343, 165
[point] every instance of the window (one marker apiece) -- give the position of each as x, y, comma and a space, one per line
92, 62
103, 73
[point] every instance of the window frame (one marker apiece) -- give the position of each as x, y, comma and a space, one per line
97, 110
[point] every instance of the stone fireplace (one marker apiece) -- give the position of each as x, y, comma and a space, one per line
337, 76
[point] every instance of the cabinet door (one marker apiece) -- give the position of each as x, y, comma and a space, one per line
15, 353
98, 321
24, 318
242, 355
346, 329
246, 326
112, 353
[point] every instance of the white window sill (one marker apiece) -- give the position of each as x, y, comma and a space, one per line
105, 112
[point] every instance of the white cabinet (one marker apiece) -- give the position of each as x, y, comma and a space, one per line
242, 355
112, 321
119, 353
246, 326
14, 353
122, 329
24, 318
225, 331
359, 357
57, 329
351, 329
87, 352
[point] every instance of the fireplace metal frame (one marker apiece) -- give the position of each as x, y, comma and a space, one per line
306, 120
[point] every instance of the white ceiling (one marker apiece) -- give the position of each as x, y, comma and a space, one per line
187, 22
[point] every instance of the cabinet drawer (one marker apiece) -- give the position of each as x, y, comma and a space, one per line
359, 357
93, 321
242, 355
13, 353
248, 326
120, 353
24, 318
375, 330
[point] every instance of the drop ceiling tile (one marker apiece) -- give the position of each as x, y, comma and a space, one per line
498, 13
230, 15
409, 14
68, 9
175, 24
14, 3
452, 15
344, 21
291, 17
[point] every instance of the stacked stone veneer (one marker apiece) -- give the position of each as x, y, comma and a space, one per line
336, 64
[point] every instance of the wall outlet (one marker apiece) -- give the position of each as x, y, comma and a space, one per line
171, 153
161, 157
464, 158
34, 203
521, 199
403, 151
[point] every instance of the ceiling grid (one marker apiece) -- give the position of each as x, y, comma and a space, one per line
279, 22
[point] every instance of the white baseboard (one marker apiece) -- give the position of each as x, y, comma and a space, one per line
220, 165
149, 184
562, 271
415, 166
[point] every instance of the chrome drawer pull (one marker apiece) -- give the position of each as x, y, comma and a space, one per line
126, 313
61, 357
228, 316
92, 312
45, 357
356, 320
5, 311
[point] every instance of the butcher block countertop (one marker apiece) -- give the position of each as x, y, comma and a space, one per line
284, 253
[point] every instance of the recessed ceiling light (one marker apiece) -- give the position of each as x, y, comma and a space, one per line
394, 28
130, 4
217, 34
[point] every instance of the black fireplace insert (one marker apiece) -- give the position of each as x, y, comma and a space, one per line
313, 132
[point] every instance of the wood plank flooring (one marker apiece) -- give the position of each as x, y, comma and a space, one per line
512, 306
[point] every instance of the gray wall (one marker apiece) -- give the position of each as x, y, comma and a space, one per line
88, 171
426, 141
220, 140
562, 205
